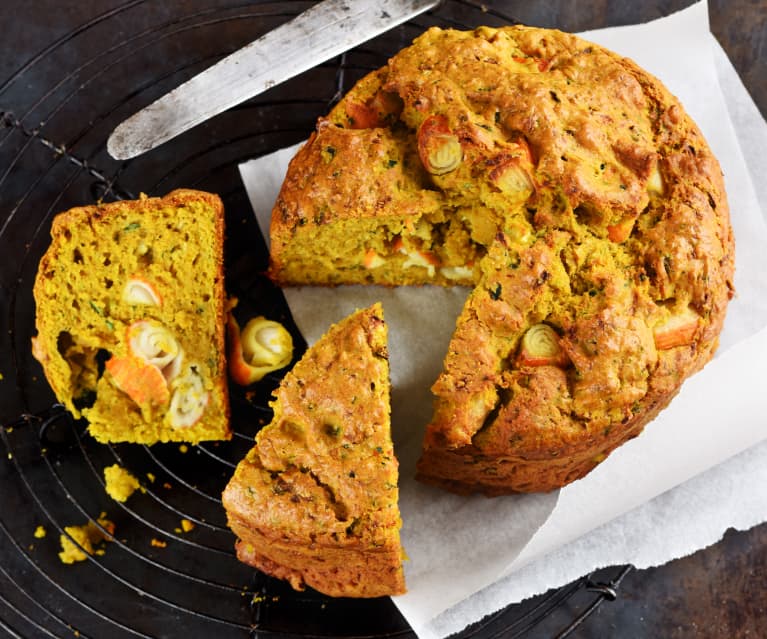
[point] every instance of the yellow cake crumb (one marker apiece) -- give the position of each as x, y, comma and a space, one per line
120, 484
40, 532
186, 526
158, 543
86, 540
183, 448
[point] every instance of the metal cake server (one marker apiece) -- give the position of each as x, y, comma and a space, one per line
321, 32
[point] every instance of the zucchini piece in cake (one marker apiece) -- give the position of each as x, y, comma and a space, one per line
315, 501
130, 318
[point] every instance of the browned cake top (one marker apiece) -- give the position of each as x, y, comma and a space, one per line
324, 471
550, 132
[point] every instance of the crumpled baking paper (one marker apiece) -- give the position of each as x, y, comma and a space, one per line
663, 495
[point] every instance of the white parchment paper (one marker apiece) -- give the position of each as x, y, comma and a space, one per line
648, 502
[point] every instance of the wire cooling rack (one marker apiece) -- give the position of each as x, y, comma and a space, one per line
169, 568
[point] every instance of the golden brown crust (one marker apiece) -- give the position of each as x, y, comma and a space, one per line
545, 462
315, 501
573, 191
114, 270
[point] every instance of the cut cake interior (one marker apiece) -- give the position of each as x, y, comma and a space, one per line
130, 318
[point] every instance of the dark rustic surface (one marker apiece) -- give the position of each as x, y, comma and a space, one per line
739, 25
717, 592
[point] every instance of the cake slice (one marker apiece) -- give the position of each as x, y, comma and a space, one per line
130, 318
315, 501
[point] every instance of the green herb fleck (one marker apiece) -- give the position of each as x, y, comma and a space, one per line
331, 430
132, 226
280, 488
96, 308
667, 264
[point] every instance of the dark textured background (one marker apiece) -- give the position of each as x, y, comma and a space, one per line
717, 592
739, 25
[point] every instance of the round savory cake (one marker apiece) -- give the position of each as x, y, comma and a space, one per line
572, 191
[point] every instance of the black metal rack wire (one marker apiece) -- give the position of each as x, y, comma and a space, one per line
169, 568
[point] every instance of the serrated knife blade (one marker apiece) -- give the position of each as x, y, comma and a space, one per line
321, 32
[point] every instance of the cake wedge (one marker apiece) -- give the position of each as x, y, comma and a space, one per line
315, 502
